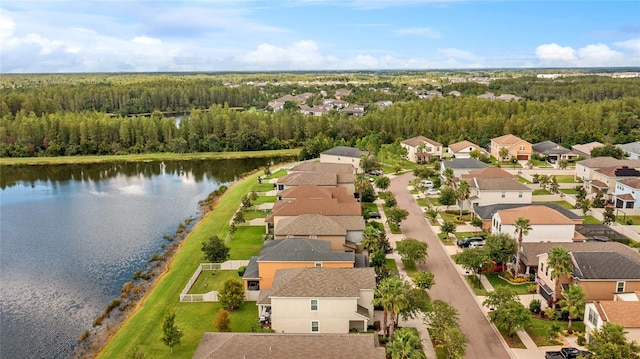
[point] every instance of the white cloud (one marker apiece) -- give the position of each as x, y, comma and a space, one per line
420, 31
598, 55
592, 55
632, 46
552, 52
299, 55
145, 40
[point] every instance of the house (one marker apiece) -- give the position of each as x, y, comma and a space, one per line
340, 93
336, 206
553, 152
584, 150
493, 185
546, 224
532, 250
487, 96
508, 97
334, 104
352, 110
632, 150
313, 111
319, 174
294, 253
319, 300
518, 148
307, 191
623, 310
421, 149
463, 149
383, 104
342, 154
605, 179
600, 274
584, 169
343, 232
461, 166
278, 345
627, 193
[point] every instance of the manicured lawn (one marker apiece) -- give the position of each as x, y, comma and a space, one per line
512, 342
410, 267
253, 214
264, 199
564, 204
461, 235
540, 192
591, 220
566, 179
496, 281
569, 191
277, 174
210, 280
453, 216
246, 242
369, 207
143, 328
445, 239
262, 187
538, 330
391, 265
475, 284
524, 180
540, 164
423, 202
624, 219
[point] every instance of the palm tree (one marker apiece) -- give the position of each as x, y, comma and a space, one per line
560, 263
463, 194
404, 345
573, 303
522, 229
448, 176
391, 296
503, 152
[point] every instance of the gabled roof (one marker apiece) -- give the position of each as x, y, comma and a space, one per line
301, 250
327, 207
537, 215
345, 151
315, 224
489, 172
587, 147
624, 313
323, 167
319, 282
455, 147
619, 171
486, 212
507, 140
463, 163
274, 345
531, 250
498, 184
415, 141
633, 182
300, 178
604, 265
308, 191
549, 147
633, 147
599, 162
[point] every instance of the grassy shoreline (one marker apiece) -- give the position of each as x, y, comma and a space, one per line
145, 157
142, 329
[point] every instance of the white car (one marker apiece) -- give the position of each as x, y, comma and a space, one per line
426, 183
432, 192
476, 244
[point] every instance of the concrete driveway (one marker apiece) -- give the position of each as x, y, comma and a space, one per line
483, 341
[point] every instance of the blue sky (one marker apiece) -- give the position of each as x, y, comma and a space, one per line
272, 35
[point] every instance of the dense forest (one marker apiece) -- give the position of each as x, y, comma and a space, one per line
53, 115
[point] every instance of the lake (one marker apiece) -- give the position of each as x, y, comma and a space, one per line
72, 235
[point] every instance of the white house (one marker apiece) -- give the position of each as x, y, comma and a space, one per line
632, 150
464, 148
623, 310
421, 149
627, 193
319, 300
546, 223
487, 190
342, 154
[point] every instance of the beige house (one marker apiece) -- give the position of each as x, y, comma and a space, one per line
518, 148
421, 149
486, 213
584, 150
342, 154
546, 224
319, 174
485, 191
278, 345
463, 149
324, 206
605, 179
319, 300
624, 309
344, 232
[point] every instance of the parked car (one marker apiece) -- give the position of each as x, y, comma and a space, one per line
493, 267
373, 215
465, 242
426, 183
432, 192
566, 353
376, 172
475, 244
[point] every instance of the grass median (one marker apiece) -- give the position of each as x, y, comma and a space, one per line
143, 329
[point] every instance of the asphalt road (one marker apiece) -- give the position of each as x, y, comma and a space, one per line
482, 341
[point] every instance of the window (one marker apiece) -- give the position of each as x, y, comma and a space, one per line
315, 327
593, 317
314, 304
546, 272
503, 194
521, 148
620, 287
541, 267
519, 194
318, 264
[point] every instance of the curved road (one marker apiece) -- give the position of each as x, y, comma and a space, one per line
482, 341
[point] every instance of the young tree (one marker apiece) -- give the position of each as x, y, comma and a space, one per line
411, 249
608, 215
171, 333
222, 321
462, 194
476, 222
586, 206
378, 260
215, 250
447, 197
405, 344
500, 296
610, 342
369, 163
573, 303
554, 186
511, 317
374, 239
431, 213
439, 318
455, 343
238, 217
448, 227
598, 200
501, 247
246, 202
448, 177
472, 259
383, 182
424, 280
231, 296
396, 215
522, 227
563, 164
559, 261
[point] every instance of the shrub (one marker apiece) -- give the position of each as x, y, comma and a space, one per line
535, 306
554, 330
241, 270
581, 340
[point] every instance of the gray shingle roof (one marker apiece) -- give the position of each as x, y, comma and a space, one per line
463, 163
344, 151
486, 212
531, 250
605, 265
251, 272
272, 345
301, 250
549, 147
633, 147
498, 184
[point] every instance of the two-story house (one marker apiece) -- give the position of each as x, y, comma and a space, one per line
421, 149
343, 232
486, 191
605, 179
517, 147
323, 206
319, 174
546, 224
486, 212
631, 150
624, 310
319, 300
627, 193
343, 154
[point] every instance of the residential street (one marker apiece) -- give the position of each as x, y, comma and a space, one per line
483, 341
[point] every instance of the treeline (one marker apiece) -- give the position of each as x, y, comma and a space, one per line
446, 120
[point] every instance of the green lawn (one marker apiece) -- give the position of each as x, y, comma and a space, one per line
453, 216
143, 328
524, 180
391, 265
277, 174
253, 214
262, 187
445, 239
566, 179
475, 284
540, 192
569, 191
369, 207
264, 199
423, 202
538, 330
461, 235
540, 163
210, 280
246, 242
635, 220
564, 204
496, 281
591, 220
512, 342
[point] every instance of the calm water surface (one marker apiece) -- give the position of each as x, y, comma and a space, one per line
71, 236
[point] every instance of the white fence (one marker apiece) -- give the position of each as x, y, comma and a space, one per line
213, 295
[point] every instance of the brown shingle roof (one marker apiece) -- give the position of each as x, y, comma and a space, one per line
323, 167
489, 172
498, 184
272, 345
626, 314
317, 192
455, 147
327, 207
415, 141
532, 250
300, 178
315, 224
507, 140
321, 282
619, 171
633, 182
535, 215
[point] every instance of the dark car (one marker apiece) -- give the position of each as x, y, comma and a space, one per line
373, 215
466, 242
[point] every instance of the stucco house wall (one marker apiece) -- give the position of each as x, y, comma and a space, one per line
267, 270
294, 315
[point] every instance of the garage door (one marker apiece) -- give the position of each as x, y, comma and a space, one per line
523, 157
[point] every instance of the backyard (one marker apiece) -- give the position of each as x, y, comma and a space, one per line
210, 280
